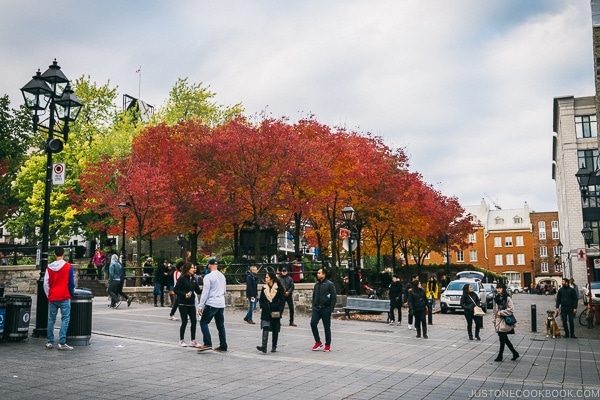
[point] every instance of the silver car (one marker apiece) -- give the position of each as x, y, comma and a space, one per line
450, 298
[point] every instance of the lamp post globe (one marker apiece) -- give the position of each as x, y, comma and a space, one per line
43, 91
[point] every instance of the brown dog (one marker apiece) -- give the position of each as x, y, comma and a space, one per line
552, 328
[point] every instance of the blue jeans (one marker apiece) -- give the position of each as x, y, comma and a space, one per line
208, 313
65, 317
252, 305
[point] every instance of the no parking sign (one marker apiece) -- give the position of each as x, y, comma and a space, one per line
58, 174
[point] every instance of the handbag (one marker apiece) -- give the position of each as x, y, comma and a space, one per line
510, 320
275, 314
477, 311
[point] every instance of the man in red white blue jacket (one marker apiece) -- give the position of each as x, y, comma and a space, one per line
59, 285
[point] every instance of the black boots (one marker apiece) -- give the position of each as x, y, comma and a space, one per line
274, 344
265, 339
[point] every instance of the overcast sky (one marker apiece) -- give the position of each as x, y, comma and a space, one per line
465, 86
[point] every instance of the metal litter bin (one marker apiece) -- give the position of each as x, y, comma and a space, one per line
2, 314
80, 324
18, 313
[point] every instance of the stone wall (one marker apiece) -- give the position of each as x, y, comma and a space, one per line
23, 279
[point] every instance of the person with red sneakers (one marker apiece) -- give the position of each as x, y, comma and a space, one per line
322, 306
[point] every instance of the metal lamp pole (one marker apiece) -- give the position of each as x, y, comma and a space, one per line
50, 88
587, 236
447, 256
348, 215
124, 207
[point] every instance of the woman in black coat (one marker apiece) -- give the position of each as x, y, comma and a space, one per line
468, 301
417, 301
186, 290
271, 302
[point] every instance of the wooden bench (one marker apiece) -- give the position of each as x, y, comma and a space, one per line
362, 304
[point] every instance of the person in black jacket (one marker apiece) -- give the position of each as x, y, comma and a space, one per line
323, 303
160, 281
271, 303
409, 288
417, 301
186, 290
396, 291
566, 302
251, 292
468, 301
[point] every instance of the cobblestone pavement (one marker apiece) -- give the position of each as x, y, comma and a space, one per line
133, 354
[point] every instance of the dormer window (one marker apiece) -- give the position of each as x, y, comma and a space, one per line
499, 221
517, 219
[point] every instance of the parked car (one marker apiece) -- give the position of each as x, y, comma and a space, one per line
595, 293
450, 298
546, 287
516, 288
490, 292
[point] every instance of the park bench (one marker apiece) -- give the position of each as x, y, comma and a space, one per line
362, 304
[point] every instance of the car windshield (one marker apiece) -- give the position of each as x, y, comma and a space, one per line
595, 285
489, 287
458, 285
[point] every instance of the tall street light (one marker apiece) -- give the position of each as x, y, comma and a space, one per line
49, 89
587, 237
124, 208
348, 215
447, 256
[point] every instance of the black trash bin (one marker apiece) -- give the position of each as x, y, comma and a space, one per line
80, 324
18, 313
2, 315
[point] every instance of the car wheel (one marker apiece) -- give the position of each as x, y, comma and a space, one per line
444, 310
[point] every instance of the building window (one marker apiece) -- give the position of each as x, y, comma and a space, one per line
585, 126
513, 278
473, 255
428, 256
557, 268
520, 259
472, 238
460, 256
542, 235
544, 267
508, 241
555, 234
517, 220
498, 221
498, 259
510, 259
497, 241
543, 251
520, 242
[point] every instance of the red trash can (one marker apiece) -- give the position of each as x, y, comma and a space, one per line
297, 272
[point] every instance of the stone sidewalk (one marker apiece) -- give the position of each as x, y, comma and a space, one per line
133, 354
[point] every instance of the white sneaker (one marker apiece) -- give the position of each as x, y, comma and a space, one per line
193, 343
182, 343
49, 346
392, 323
410, 327
118, 304
64, 347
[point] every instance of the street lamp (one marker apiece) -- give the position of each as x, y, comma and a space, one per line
49, 89
448, 255
587, 237
348, 216
124, 208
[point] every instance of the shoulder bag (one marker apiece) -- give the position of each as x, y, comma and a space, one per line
477, 311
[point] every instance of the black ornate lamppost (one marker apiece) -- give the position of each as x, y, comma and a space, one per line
588, 236
124, 208
348, 215
49, 89
447, 235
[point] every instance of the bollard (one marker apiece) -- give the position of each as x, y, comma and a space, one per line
430, 311
533, 318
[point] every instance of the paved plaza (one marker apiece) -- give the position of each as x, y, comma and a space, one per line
133, 354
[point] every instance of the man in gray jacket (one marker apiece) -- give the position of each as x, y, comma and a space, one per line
288, 289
